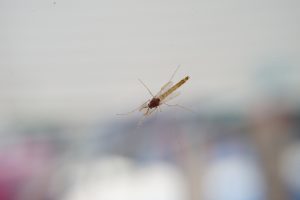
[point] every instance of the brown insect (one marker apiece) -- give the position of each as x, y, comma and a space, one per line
166, 93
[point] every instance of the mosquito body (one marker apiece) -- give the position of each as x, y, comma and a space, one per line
166, 93
160, 98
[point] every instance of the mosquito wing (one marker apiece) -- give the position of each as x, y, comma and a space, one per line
165, 88
171, 96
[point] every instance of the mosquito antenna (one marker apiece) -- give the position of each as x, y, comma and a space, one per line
146, 87
174, 73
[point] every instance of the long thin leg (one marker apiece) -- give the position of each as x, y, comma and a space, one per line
159, 108
140, 122
180, 106
130, 112
156, 111
168, 85
136, 109
146, 87
149, 113
174, 73
144, 116
146, 113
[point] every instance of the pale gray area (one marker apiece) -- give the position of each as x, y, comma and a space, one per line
80, 60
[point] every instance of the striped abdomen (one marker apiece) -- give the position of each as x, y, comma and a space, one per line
172, 89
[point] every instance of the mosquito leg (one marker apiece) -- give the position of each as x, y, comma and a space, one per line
174, 73
152, 111
180, 106
146, 87
136, 109
128, 113
140, 122
169, 83
147, 112
159, 108
142, 119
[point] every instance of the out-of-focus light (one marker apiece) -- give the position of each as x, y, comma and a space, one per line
289, 168
233, 179
117, 178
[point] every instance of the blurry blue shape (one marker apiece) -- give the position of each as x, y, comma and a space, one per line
234, 178
290, 166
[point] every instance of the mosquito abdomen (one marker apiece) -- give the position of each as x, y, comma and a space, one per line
175, 87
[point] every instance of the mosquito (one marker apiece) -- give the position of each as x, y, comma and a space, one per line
166, 93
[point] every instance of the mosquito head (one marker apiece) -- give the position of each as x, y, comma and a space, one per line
154, 103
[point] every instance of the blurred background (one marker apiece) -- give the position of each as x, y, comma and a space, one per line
68, 67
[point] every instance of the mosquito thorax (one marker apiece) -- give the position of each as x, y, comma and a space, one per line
154, 103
